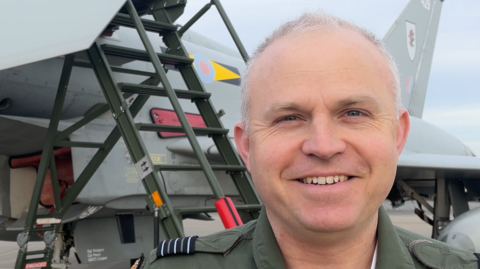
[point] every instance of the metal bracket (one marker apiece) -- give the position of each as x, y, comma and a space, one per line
123, 108
421, 214
220, 113
48, 238
412, 193
163, 212
159, 5
22, 241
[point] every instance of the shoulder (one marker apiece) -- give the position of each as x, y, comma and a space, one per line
435, 254
212, 251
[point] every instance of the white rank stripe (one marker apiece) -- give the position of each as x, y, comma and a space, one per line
163, 244
188, 245
175, 247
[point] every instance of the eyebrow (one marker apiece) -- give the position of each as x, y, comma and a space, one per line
363, 99
283, 107
358, 100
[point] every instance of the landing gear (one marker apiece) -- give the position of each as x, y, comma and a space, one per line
448, 193
441, 215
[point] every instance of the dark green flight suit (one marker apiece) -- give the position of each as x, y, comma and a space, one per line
253, 245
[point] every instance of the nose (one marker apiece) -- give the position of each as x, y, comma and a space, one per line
323, 140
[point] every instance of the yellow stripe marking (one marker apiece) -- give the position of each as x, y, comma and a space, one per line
222, 73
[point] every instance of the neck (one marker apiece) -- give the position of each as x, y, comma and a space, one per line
353, 248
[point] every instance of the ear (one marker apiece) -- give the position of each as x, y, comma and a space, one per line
243, 143
402, 129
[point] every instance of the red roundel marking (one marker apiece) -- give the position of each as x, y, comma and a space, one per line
204, 67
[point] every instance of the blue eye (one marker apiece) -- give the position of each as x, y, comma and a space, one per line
290, 118
354, 113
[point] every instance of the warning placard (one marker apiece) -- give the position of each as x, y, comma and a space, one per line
36, 265
143, 168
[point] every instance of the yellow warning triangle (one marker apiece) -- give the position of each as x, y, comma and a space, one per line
222, 73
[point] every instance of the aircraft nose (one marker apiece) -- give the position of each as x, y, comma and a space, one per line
459, 240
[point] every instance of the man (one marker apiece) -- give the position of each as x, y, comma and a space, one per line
322, 128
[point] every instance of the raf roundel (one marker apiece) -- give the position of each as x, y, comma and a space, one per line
204, 68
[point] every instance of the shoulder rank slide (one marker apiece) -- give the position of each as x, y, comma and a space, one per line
184, 245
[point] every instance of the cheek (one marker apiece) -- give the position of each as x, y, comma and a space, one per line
265, 155
381, 155
269, 145
378, 151
270, 157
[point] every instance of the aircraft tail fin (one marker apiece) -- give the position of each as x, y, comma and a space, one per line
411, 41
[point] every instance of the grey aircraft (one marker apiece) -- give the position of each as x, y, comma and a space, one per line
434, 165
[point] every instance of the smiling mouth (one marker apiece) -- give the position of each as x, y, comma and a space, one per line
330, 180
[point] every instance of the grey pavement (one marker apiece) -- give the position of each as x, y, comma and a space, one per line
403, 217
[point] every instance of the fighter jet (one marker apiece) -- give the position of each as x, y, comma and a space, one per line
110, 218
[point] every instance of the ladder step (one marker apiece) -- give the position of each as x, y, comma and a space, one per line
118, 69
36, 252
159, 91
43, 229
142, 55
149, 25
179, 129
227, 168
76, 144
202, 209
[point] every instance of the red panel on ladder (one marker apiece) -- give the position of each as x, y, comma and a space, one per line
169, 117
228, 213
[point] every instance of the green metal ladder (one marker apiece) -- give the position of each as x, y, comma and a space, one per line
165, 12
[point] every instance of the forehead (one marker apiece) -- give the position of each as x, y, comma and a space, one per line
338, 61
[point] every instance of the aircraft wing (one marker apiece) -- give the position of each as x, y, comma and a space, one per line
437, 161
36, 30
22, 135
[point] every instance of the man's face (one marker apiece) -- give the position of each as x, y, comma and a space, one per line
321, 106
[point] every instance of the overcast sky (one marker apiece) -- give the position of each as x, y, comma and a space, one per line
453, 97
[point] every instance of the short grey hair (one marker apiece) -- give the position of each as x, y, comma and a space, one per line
311, 22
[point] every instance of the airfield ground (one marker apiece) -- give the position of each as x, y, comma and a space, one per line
403, 217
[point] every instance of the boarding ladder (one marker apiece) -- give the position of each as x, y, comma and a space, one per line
165, 12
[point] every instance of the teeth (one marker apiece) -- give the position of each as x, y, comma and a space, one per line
324, 180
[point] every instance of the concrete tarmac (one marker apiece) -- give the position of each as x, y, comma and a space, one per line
402, 217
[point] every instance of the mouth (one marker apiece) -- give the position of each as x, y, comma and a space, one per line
330, 180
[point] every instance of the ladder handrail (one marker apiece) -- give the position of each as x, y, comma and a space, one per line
217, 191
126, 127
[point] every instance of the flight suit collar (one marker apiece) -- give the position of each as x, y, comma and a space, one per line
266, 251
392, 252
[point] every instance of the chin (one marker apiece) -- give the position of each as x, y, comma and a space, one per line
330, 226
332, 220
